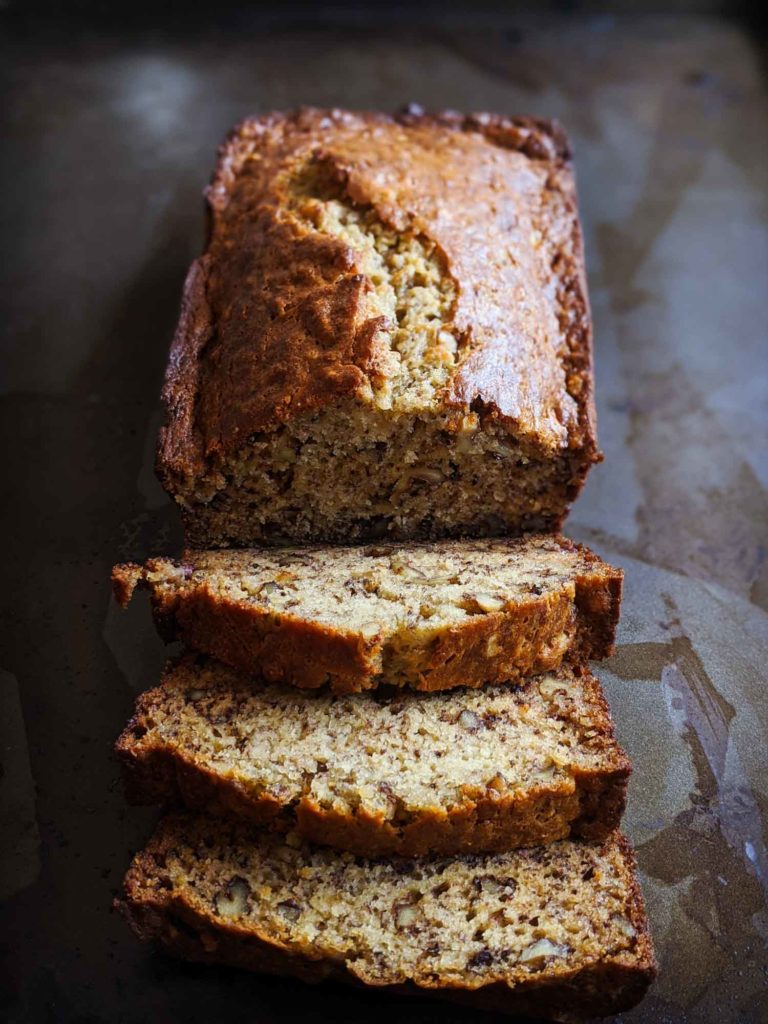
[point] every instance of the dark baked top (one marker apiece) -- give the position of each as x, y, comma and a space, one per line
279, 317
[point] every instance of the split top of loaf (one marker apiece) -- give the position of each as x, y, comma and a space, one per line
430, 616
388, 333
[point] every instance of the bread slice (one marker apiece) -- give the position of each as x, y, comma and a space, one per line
430, 616
406, 773
556, 931
388, 334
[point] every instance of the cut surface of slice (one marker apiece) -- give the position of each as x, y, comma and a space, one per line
430, 616
392, 773
556, 931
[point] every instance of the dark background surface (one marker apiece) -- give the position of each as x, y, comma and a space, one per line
110, 123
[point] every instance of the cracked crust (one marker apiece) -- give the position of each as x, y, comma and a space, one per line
282, 343
195, 890
358, 618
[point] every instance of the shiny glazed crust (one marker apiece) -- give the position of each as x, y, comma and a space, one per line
588, 802
533, 634
160, 910
275, 325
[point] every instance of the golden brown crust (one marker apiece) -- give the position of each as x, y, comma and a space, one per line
125, 578
481, 825
274, 324
524, 639
167, 772
164, 914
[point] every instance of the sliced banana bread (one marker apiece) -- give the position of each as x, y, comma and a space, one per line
431, 616
407, 773
556, 931
388, 334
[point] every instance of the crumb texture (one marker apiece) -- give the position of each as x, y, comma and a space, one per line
532, 917
429, 616
411, 294
403, 773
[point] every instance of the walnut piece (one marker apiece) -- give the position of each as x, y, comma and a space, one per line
541, 950
234, 899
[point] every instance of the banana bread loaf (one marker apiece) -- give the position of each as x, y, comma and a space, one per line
407, 773
387, 335
556, 931
431, 616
